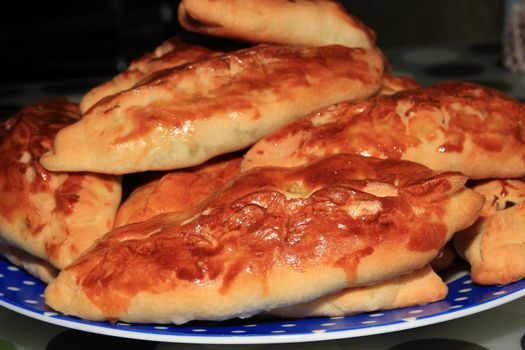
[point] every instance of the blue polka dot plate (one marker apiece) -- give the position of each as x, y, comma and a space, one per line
22, 293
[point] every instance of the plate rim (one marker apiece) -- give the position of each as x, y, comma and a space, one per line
229, 339
58, 319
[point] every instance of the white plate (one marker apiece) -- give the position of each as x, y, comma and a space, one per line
23, 294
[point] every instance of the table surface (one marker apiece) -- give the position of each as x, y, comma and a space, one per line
499, 328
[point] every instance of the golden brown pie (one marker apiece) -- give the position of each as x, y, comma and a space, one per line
53, 216
190, 114
449, 126
343, 221
415, 288
177, 191
299, 22
495, 244
171, 53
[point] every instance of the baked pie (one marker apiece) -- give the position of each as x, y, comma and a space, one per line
343, 221
186, 115
53, 216
449, 126
495, 244
318, 22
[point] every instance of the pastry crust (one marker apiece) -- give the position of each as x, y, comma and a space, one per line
416, 288
190, 114
495, 244
340, 222
393, 84
319, 22
177, 191
450, 126
171, 53
53, 216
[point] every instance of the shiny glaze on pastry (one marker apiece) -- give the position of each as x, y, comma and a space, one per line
54, 216
342, 221
184, 116
456, 126
171, 53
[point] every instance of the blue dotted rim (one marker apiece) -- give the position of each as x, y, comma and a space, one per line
23, 294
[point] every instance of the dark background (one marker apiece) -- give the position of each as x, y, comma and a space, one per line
49, 40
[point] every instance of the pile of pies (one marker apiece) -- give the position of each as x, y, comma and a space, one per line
292, 177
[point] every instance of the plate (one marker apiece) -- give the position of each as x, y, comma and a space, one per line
22, 293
